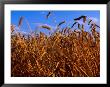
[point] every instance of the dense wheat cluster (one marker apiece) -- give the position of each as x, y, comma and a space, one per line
65, 53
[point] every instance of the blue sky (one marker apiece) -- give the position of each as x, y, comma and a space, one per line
37, 18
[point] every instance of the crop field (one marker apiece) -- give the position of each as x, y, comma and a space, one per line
64, 53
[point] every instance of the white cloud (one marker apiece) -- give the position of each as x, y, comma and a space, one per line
80, 22
38, 25
94, 19
42, 12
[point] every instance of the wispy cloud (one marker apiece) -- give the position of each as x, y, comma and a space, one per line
80, 22
38, 25
43, 12
94, 19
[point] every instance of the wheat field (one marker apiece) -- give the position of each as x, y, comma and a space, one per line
65, 53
